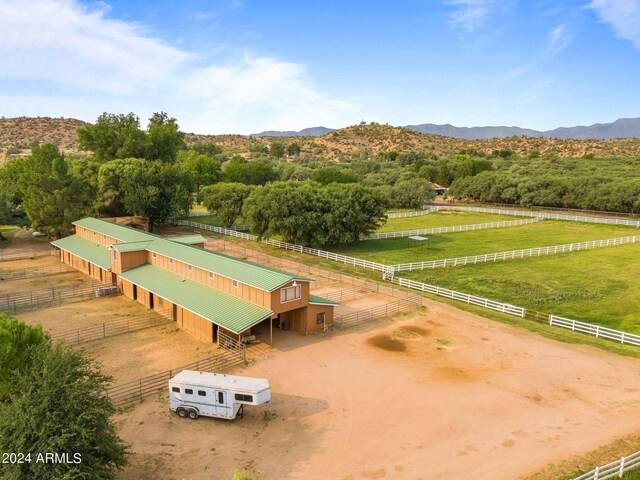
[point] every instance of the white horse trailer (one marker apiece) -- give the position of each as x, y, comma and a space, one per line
192, 394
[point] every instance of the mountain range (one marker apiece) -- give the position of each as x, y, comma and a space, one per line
621, 128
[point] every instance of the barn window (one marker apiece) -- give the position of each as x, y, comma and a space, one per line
202, 393
95, 234
171, 260
320, 318
175, 389
160, 301
104, 237
234, 283
290, 293
211, 275
244, 398
188, 391
189, 267
155, 255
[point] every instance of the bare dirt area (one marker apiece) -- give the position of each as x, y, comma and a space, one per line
24, 242
71, 316
445, 395
137, 354
43, 281
44, 261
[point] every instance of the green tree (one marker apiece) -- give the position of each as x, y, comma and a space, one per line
57, 405
207, 148
413, 193
52, 197
293, 149
112, 179
277, 149
16, 341
158, 191
333, 175
255, 172
164, 139
113, 136
204, 169
225, 200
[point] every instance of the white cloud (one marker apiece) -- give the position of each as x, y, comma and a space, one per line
61, 58
470, 14
622, 15
558, 38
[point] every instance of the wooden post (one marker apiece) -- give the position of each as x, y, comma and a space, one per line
271, 332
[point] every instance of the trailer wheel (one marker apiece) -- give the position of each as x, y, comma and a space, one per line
182, 413
241, 411
193, 414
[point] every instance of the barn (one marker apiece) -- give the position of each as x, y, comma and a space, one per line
209, 294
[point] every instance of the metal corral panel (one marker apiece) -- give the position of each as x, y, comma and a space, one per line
218, 307
85, 249
224, 382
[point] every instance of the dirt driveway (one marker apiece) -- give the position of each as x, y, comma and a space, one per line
446, 395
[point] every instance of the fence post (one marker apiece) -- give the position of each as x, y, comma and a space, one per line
621, 472
596, 473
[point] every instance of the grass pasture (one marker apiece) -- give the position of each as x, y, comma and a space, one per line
443, 219
596, 286
541, 234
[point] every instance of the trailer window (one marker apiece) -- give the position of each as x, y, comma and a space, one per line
220, 397
244, 398
202, 393
188, 391
175, 389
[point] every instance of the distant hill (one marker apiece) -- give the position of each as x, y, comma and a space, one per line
306, 132
21, 132
621, 128
354, 141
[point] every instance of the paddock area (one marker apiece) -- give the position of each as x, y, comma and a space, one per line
446, 394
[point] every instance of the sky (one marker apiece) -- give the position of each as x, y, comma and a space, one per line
244, 66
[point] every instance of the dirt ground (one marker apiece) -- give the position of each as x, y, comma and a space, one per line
71, 316
446, 395
46, 260
43, 281
24, 241
145, 352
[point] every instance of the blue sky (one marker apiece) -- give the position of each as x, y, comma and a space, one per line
242, 66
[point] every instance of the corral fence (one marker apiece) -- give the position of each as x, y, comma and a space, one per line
359, 317
352, 293
614, 469
110, 328
239, 228
20, 273
415, 213
34, 299
582, 211
523, 213
596, 330
512, 254
451, 229
462, 297
130, 392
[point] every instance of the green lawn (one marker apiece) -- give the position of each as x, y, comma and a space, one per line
596, 286
541, 234
442, 219
212, 220
8, 232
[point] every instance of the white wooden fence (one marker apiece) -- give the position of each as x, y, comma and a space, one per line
462, 297
357, 262
451, 229
415, 213
512, 254
523, 213
596, 330
614, 469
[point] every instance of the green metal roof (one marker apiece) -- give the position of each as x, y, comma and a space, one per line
264, 278
228, 311
188, 239
85, 249
315, 300
111, 229
131, 246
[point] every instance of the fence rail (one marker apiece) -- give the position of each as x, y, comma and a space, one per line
512, 254
451, 229
462, 297
351, 293
415, 213
359, 317
109, 329
614, 469
33, 299
20, 273
130, 392
597, 330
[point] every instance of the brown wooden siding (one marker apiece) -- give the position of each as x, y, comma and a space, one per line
95, 236
278, 307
